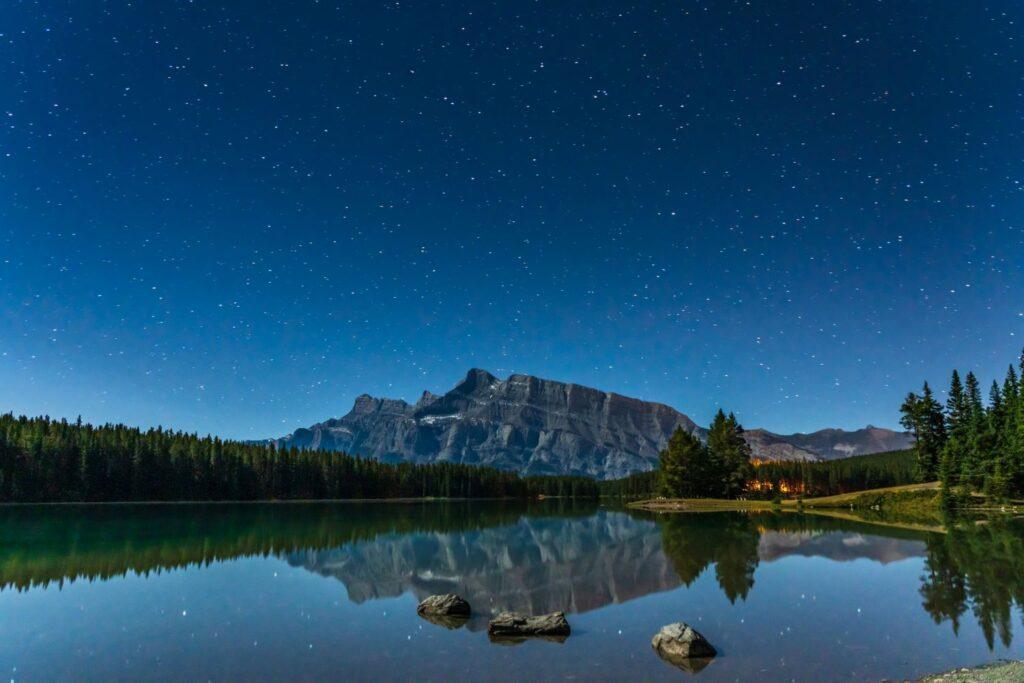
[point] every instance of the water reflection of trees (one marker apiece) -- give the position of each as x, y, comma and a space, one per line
694, 542
731, 541
976, 566
40, 545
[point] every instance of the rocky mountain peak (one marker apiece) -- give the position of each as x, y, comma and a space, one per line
426, 399
538, 426
476, 380
365, 404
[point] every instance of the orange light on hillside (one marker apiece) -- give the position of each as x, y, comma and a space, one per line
784, 486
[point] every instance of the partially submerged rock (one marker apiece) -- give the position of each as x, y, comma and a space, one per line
513, 624
682, 646
512, 641
446, 621
447, 605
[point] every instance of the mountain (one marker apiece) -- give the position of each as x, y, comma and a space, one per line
523, 423
826, 444
837, 443
768, 446
538, 426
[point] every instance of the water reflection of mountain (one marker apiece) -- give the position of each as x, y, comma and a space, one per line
839, 547
537, 564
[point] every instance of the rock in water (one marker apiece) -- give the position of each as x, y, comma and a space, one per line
449, 622
448, 605
515, 624
682, 646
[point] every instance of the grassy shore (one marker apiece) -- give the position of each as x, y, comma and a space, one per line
876, 497
913, 506
700, 505
916, 495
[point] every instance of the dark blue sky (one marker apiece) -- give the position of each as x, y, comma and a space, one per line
235, 217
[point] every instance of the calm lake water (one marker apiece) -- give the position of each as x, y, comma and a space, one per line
329, 591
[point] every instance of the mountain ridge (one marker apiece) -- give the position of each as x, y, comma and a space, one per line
539, 426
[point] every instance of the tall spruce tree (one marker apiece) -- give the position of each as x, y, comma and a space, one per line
974, 463
729, 457
953, 453
1011, 386
682, 466
956, 404
992, 448
1015, 427
922, 416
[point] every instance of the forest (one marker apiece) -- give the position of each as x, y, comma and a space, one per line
831, 477
723, 468
968, 444
46, 460
823, 478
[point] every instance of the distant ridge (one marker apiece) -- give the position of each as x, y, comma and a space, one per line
538, 426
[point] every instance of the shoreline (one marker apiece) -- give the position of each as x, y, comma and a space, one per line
843, 501
1003, 671
833, 513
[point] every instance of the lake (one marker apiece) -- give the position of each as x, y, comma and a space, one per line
329, 590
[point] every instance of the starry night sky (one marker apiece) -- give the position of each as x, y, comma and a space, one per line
235, 217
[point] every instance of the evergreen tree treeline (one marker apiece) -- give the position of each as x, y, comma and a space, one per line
818, 478
45, 460
968, 444
832, 477
637, 485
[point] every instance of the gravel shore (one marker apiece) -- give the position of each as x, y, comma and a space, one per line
999, 672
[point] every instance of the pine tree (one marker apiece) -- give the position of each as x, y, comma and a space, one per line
956, 405
729, 457
718, 444
682, 466
992, 447
740, 469
953, 454
975, 460
1016, 447
922, 416
1011, 386
1013, 427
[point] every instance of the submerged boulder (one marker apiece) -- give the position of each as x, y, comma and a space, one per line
682, 646
446, 621
447, 605
515, 624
